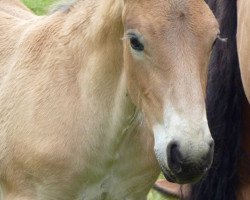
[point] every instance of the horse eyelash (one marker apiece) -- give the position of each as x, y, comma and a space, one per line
127, 36
221, 39
124, 37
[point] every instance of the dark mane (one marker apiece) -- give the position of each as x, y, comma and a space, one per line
224, 107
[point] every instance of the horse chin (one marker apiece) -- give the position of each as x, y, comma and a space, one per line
185, 180
171, 178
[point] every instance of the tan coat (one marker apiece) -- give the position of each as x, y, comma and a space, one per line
243, 43
80, 109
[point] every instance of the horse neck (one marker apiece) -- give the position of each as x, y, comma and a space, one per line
97, 20
96, 30
95, 27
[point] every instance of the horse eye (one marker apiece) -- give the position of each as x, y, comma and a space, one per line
136, 44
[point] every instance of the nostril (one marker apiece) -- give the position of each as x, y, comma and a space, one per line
175, 159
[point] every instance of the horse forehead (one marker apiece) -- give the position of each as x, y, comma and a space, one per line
161, 13
166, 7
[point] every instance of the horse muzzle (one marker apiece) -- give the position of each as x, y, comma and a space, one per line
185, 168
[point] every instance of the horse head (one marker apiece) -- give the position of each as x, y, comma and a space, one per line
166, 54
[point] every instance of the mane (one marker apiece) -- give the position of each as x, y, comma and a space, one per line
61, 5
225, 98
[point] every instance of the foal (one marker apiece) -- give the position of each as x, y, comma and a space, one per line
97, 98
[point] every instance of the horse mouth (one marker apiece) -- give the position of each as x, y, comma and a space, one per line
182, 178
169, 176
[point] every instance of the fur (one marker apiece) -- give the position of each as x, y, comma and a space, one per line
69, 89
225, 98
63, 6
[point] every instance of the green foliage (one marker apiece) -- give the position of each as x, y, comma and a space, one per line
154, 195
39, 7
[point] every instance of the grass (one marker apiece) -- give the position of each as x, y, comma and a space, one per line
154, 195
40, 7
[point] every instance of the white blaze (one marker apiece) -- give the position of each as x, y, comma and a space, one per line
192, 135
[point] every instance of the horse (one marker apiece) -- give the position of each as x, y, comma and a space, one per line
228, 107
243, 17
100, 95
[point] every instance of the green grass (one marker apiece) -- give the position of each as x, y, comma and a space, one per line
40, 7
154, 195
